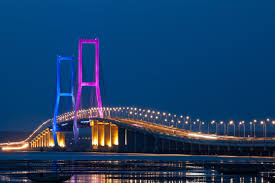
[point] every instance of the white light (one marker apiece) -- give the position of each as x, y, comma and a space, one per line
202, 136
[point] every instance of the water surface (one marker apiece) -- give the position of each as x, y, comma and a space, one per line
115, 167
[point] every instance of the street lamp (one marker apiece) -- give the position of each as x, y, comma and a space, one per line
165, 120
187, 118
198, 120
273, 123
194, 123
264, 128
216, 128
201, 123
157, 119
186, 122
224, 127
241, 123
254, 123
181, 118
212, 122
145, 116
164, 115
178, 123
250, 128
231, 123
172, 122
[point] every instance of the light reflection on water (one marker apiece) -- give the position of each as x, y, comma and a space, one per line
123, 171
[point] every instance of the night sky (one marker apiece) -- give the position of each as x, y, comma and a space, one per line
211, 59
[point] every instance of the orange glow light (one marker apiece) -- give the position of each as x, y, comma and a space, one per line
26, 145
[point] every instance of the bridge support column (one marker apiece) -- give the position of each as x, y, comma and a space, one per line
61, 139
122, 144
218, 149
39, 141
114, 135
95, 135
44, 139
108, 132
144, 142
169, 146
101, 139
48, 139
51, 141
162, 145
156, 143
199, 149
135, 141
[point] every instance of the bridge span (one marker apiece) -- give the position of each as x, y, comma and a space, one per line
118, 131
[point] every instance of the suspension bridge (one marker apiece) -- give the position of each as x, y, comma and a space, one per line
132, 129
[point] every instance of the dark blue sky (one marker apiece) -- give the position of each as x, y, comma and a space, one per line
215, 59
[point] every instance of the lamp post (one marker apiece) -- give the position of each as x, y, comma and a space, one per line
243, 128
194, 123
216, 128
254, 123
198, 120
157, 119
250, 128
231, 123
178, 123
164, 116
172, 121
212, 122
165, 120
267, 125
264, 128
187, 118
145, 116
273, 123
224, 126
202, 123
181, 117
186, 122
208, 124
241, 123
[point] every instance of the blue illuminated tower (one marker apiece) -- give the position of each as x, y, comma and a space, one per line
62, 94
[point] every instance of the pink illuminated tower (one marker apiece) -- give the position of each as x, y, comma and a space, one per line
81, 83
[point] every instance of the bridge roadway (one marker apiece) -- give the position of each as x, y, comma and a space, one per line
157, 136
194, 137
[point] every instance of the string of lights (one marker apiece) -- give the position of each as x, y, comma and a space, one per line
163, 118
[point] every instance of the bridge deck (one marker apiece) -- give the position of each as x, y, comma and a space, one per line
190, 135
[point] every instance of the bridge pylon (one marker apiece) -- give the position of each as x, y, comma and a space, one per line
62, 94
91, 84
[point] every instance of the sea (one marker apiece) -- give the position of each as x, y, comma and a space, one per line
82, 167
